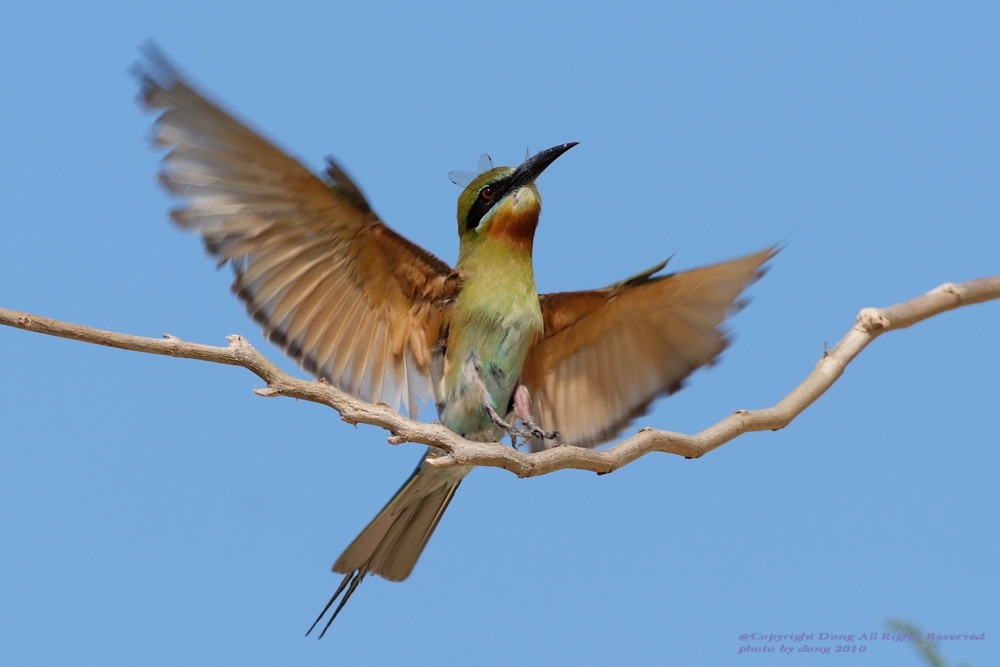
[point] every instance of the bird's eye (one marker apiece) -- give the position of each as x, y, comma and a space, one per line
486, 193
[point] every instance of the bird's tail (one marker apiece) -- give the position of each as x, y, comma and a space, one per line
391, 544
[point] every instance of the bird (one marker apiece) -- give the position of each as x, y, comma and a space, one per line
366, 310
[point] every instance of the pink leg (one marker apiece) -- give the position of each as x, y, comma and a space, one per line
522, 407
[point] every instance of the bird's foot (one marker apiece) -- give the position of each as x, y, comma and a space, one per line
522, 406
512, 429
529, 432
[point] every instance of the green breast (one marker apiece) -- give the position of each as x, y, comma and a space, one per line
496, 320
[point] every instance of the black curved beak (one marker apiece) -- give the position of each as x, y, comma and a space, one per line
536, 164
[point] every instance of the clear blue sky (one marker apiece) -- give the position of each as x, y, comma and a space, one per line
154, 511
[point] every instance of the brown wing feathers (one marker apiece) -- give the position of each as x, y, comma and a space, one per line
607, 354
348, 298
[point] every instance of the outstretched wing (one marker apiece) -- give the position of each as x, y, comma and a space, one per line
606, 354
345, 296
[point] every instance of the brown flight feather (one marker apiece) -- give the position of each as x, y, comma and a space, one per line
349, 299
606, 354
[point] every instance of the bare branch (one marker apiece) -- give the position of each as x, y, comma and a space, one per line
871, 323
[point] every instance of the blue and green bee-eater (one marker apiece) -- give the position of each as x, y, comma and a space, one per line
363, 308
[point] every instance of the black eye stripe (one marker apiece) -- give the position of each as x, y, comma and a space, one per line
483, 204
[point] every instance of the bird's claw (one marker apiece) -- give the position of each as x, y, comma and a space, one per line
544, 435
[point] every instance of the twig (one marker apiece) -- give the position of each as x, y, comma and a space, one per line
871, 323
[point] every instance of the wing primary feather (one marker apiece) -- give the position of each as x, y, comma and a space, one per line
315, 325
298, 293
274, 289
361, 357
376, 364
331, 351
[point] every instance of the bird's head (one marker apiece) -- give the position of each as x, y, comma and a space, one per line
503, 203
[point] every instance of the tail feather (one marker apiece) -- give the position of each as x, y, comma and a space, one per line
355, 579
399, 550
391, 544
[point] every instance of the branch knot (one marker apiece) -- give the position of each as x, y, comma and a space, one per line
872, 320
